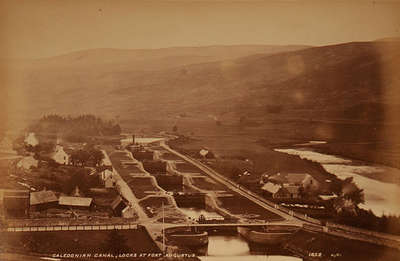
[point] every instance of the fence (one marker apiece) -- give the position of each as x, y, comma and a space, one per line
70, 228
365, 235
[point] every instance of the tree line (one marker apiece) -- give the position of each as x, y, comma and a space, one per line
75, 127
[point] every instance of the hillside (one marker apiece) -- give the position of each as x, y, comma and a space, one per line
79, 81
352, 81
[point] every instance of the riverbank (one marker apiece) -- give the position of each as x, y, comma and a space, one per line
382, 166
321, 246
380, 197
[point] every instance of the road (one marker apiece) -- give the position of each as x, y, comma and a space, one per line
234, 187
127, 193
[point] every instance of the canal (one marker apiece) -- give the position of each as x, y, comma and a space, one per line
229, 245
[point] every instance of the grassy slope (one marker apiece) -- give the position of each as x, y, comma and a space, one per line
341, 93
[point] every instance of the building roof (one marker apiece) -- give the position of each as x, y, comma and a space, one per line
297, 177
75, 201
291, 178
106, 174
42, 197
16, 201
14, 192
270, 187
327, 197
116, 202
10, 194
292, 189
203, 152
278, 178
27, 162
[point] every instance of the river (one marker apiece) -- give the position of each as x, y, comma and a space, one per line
380, 197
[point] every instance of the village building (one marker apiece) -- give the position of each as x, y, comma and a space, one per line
278, 178
281, 191
107, 179
109, 182
15, 203
248, 180
27, 163
118, 205
42, 200
60, 156
303, 180
270, 189
128, 212
31, 140
291, 191
75, 202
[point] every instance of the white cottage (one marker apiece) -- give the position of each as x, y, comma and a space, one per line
27, 162
107, 178
60, 156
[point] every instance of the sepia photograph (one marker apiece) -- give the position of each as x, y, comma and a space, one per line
200, 130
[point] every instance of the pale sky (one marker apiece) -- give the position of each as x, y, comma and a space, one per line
43, 28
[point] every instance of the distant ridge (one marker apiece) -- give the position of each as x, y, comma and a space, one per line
351, 81
389, 39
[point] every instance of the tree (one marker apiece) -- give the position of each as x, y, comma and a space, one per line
80, 157
52, 163
210, 155
79, 180
175, 128
349, 197
97, 156
352, 192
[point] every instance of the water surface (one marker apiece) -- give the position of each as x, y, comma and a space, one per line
380, 197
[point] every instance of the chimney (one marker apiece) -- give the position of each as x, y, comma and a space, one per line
133, 139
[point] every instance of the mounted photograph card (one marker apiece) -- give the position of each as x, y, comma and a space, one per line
200, 130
